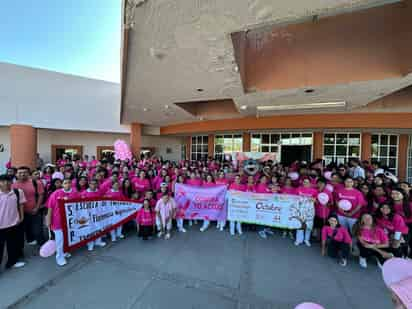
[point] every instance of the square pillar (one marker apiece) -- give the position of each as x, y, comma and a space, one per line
402, 156
246, 142
136, 139
23, 145
317, 150
211, 145
366, 146
188, 148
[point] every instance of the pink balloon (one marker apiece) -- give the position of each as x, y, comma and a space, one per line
395, 270
293, 175
328, 175
309, 306
329, 187
323, 198
345, 205
48, 249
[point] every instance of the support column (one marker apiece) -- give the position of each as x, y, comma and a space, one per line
317, 150
402, 156
188, 148
366, 146
23, 145
246, 142
211, 145
136, 139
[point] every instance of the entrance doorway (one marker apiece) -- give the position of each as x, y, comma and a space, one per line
73, 151
290, 154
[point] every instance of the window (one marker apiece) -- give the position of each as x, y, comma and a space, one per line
199, 148
409, 168
340, 147
270, 142
384, 148
227, 143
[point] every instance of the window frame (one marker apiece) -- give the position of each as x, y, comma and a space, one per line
387, 157
335, 157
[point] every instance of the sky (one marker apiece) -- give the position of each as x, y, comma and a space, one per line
79, 37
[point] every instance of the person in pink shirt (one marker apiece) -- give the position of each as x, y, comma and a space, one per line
81, 184
379, 196
141, 184
127, 189
395, 227
288, 187
402, 206
372, 241
115, 193
262, 186
336, 241
322, 211
146, 220
159, 179
165, 212
194, 180
209, 182
11, 215
53, 219
250, 184
221, 179
306, 190
179, 213
355, 197
236, 186
93, 192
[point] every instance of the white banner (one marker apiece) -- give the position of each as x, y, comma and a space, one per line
85, 220
276, 210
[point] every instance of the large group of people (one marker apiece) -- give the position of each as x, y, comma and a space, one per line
377, 224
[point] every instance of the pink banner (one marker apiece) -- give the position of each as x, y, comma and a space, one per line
201, 203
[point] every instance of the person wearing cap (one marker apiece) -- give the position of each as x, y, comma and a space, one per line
165, 212
11, 215
397, 275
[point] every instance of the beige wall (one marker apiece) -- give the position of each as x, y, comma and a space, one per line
5, 141
90, 140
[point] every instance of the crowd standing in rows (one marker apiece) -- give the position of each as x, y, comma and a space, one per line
378, 222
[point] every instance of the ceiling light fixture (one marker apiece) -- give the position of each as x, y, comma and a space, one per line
166, 106
301, 106
145, 109
310, 90
199, 90
243, 107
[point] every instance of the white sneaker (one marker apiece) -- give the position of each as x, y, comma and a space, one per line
19, 265
89, 248
297, 243
343, 262
363, 263
190, 223
101, 244
160, 234
167, 236
121, 236
202, 229
182, 230
262, 234
114, 239
221, 228
61, 262
67, 255
232, 233
307, 243
32, 243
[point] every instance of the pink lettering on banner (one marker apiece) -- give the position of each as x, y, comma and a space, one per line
195, 202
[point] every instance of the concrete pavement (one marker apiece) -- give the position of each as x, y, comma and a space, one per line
194, 270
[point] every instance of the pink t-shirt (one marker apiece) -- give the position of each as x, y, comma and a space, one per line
194, 182
141, 185
9, 212
53, 204
262, 188
399, 210
29, 192
374, 236
307, 192
91, 194
145, 217
222, 181
354, 196
237, 187
250, 187
397, 224
342, 234
165, 209
114, 194
209, 184
288, 190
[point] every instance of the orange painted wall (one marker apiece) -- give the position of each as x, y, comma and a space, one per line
136, 138
317, 145
366, 146
363, 45
23, 145
211, 145
327, 121
246, 141
402, 156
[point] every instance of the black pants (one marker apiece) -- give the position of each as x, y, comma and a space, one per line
337, 249
145, 231
366, 252
410, 240
10, 237
34, 227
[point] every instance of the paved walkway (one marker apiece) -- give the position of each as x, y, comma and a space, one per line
194, 270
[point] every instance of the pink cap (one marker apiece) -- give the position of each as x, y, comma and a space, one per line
309, 306
397, 274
